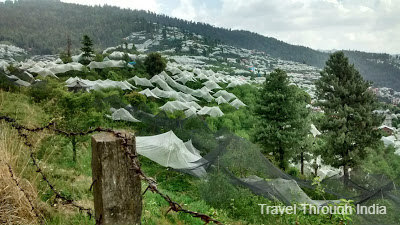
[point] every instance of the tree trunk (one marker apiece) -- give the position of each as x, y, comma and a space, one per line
316, 166
282, 159
346, 175
73, 148
302, 163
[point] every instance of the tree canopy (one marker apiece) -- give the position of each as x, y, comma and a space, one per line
154, 63
282, 116
87, 49
349, 124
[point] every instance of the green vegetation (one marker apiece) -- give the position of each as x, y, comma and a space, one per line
154, 63
73, 178
282, 116
349, 124
61, 23
276, 112
87, 49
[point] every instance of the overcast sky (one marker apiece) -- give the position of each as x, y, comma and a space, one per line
368, 25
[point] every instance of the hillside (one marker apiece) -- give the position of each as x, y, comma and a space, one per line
20, 23
194, 119
220, 137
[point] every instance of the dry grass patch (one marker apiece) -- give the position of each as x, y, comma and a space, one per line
17, 195
15, 204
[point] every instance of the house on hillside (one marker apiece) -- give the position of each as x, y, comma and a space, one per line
78, 86
388, 130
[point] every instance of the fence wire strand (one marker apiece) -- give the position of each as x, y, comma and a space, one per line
152, 184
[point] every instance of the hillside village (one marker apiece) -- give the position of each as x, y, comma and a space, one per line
190, 60
194, 53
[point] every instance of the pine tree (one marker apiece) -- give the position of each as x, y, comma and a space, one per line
282, 116
349, 124
87, 48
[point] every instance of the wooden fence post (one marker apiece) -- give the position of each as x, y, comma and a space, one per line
116, 187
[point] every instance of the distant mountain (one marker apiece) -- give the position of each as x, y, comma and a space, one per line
42, 27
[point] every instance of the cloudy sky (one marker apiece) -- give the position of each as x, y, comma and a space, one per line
368, 25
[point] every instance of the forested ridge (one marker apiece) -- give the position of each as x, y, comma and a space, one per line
42, 27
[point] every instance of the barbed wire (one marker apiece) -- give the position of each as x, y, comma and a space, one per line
58, 195
152, 184
18, 185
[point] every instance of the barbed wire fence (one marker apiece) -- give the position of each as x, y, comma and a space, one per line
152, 184
27, 196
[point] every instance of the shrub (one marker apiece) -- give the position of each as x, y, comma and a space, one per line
154, 63
44, 90
114, 76
12, 69
135, 99
6, 84
217, 191
99, 58
294, 172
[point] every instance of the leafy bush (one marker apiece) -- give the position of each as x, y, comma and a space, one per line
294, 172
114, 76
217, 191
6, 84
382, 160
154, 63
136, 99
12, 69
99, 58
116, 73
240, 203
45, 90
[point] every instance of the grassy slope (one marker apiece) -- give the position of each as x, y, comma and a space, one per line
74, 180
14, 204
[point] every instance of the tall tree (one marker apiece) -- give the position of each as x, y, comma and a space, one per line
87, 49
349, 124
282, 116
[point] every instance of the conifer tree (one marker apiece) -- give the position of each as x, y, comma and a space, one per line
282, 116
87, 49
349, 124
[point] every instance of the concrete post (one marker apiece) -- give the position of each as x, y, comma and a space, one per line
116, 187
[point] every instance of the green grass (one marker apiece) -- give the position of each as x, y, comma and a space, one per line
73, 179
20, 108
